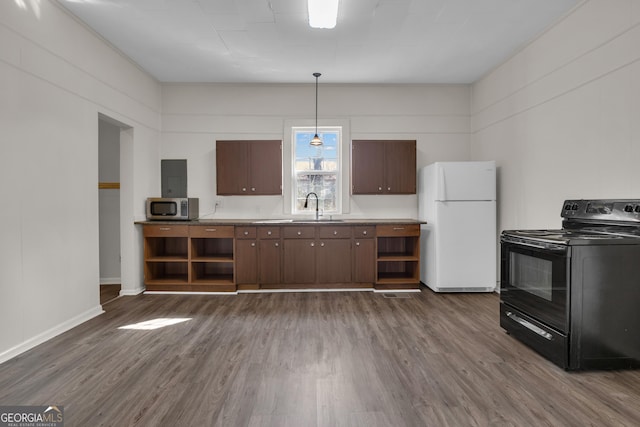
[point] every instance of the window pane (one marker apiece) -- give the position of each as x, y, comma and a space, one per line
308, 157
324, 185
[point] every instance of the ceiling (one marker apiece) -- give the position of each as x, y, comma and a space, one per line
375, 41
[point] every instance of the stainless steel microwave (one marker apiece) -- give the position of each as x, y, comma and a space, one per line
179, 209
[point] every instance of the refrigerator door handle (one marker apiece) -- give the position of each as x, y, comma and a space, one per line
441, 184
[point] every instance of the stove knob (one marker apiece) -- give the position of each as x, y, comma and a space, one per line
628, 208
637, 209
574, 207
567, 207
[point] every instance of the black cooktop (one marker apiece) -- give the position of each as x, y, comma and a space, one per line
572, 237
590, 222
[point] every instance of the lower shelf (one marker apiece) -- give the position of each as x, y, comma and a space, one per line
213, 280
168, 280
391, 278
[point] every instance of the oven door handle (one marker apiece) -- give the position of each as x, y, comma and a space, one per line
530, 326
548, 247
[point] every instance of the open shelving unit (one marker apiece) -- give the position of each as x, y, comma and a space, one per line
398, 256
188, 258
212, 261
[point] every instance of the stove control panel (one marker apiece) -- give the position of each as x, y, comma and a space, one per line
626, 210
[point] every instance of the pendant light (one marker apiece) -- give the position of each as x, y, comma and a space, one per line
316, 141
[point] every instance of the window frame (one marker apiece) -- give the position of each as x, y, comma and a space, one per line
338, 172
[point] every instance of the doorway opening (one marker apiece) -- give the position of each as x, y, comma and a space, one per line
109, 206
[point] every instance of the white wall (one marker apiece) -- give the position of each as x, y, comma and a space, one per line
55, 78
562, 116
195, 115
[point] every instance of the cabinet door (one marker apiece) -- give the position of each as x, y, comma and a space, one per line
367, 167
333, 261
270, 262
246, 262
364, 261
232, 167
265, 168
400, 167
299, 261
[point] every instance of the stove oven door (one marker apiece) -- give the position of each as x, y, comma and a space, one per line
535, 281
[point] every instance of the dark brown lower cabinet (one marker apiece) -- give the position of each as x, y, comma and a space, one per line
246, 258
317, 256
299, 261
364, 263
246, 262
270, 262
243, 257
333, 264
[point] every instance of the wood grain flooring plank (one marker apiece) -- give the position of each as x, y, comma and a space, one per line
311, 359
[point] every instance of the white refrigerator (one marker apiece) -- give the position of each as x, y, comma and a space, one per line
458, 243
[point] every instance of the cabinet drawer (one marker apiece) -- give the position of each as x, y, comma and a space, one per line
362, 232
334, 232
166, 230
308, 232
269, 232
213, 231
245, 232
398, 230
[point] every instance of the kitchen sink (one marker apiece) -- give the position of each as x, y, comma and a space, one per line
320, 221
298, 221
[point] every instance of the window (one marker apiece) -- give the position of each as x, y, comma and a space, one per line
316, 169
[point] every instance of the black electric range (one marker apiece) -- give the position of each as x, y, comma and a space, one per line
573, 294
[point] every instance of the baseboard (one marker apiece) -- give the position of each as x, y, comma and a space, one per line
50, 333
131, 292
110, 281
295, 290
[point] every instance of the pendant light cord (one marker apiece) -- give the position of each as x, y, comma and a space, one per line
316, 141
316, 76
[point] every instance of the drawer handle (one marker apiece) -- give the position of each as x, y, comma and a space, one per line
388, 188
165, 228
364, 232
379, 188
530, 326
253, 244
299, 233
277, 244
357, 243
210, 229
398, 228
253, 189
322, 244
244, 189
246, 233
269, 233
313, 244
335, 233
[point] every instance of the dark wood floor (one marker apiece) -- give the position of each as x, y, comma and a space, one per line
109, 293
311, 359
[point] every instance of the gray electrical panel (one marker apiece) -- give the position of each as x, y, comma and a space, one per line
174, 177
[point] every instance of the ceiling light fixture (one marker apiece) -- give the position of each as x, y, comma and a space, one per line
316, 141
323, 13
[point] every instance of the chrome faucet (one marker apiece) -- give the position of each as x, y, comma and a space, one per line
306, 202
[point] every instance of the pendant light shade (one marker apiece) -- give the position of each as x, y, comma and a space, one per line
316, 141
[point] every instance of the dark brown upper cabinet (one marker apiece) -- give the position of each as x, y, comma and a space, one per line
383, 167
249, 167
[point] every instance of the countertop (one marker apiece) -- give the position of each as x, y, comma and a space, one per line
283, 221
